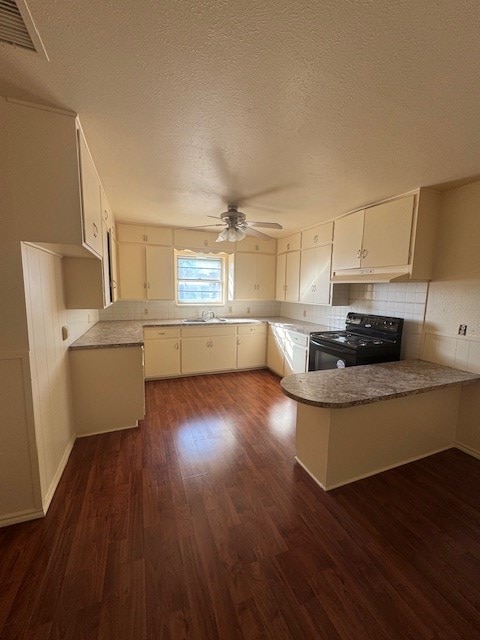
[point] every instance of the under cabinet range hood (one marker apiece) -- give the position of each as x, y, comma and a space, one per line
371, 276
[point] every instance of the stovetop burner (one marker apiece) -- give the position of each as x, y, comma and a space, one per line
373, 332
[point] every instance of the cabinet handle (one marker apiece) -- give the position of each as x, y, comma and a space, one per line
148, 285
114, 284
238, 342
176, 346
95, 230
144, 285
288, 246
359, 253
160, 333
145, 237
105, 214
315, 239
364, 253
257, 247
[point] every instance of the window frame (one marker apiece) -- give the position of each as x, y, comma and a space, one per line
196, 255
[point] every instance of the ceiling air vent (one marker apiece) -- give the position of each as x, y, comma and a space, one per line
17, 27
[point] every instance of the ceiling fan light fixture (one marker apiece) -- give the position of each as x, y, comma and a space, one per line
231, 235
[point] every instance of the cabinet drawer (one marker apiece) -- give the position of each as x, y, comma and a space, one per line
298, 338
321, 234
153, 333
290, 243
208, 331
249, 329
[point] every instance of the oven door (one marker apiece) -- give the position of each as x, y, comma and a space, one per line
322, 357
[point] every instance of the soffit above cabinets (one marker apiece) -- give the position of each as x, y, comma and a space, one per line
315, 108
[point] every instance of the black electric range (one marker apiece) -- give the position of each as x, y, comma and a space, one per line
367, 339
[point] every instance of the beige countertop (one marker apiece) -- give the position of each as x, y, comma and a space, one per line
341, 388
129, 333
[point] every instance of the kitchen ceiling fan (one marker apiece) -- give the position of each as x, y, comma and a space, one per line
237, 227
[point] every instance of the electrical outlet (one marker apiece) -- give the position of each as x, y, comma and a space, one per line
145, 311
462, 330
248, 310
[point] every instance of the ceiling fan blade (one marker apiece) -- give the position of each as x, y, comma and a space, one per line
262, 192
201, 226
271, 225
258, 234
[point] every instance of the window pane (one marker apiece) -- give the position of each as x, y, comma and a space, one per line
199, 280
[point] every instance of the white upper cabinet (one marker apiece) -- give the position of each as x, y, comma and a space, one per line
142, 234
288, 276
54, 189
91, 203
394, 238
250, 244
316, 236
254, 276
315, 287
145, 272
200, 240
290, 243
347, 242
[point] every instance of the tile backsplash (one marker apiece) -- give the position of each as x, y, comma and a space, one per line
169, 310
405, 300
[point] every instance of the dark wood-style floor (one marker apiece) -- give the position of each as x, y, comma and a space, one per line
199, 525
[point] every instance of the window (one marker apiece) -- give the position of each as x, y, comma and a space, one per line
200, 279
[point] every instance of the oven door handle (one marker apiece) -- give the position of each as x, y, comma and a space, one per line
330, 348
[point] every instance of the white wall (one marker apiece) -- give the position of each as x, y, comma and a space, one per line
454, 299
49, 366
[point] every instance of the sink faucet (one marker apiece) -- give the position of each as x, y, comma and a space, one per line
208, 315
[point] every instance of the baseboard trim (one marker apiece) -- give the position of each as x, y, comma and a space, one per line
20, 516
471, 452
58, 474
373, 473
99, 433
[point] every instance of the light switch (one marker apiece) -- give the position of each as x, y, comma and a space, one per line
65, 332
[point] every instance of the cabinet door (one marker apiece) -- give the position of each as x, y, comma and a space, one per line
251, 244
159, 273
387, 232
295, 359
321, 285
131, 271
265, 277
292, 276
321, 234
195, 355
280, 277
162, 357
275, 347
159, 235
223, 352
308, 276
347, 241
251, 351
246, 276
130, 233
92, 213
191, 239
290, 243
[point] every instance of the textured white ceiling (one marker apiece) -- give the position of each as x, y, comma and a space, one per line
337, 103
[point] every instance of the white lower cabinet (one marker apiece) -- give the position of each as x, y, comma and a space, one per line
287, 351
275, 349
162, 352
251, 346
207, 349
